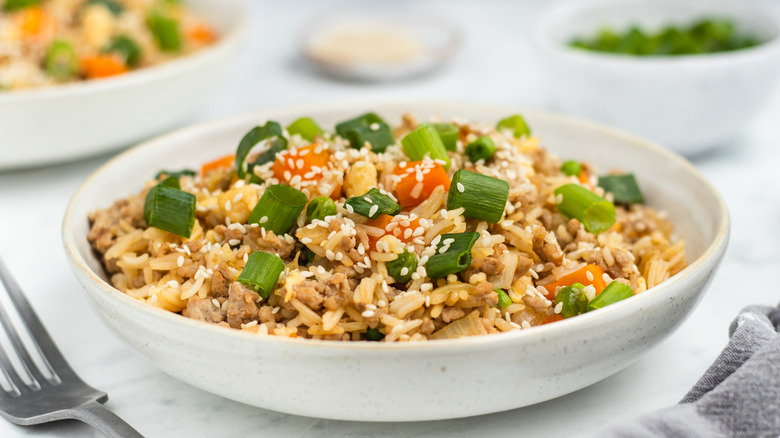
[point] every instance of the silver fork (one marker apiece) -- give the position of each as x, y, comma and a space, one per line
42, 399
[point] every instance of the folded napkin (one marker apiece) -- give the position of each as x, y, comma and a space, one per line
738, 396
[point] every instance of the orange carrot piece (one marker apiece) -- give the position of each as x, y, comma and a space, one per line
307, 162
552, 318
417, 180
201, 34
103, 66
398, 230
595, 279
35, 23
220, 163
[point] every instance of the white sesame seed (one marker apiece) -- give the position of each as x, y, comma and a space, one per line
306, 241
238, 197
461, 188
373, 210
227, 205
558, 307
589, 275
526, 324
263, 220
173, 284
234, 242
180, 261
404, 271
417, 190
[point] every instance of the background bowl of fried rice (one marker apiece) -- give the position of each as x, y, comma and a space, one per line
411, 381
65, 122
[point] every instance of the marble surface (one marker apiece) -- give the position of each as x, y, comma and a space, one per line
496, 65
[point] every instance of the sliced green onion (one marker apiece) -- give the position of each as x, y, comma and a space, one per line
372, 204
373, 334
483, 197
482, 148
61, 60
15, 5
594, 212
176, 174
571, 168
278, 208
165, 31
574, 300
379, 136
169, 208
448, 133
614, 292
623, 187
252, 138
516, 124
126, 48
114, 7
503, 299
261, 272
425, 141
306, 127
320, 208
365, 120
453, 254
402, 268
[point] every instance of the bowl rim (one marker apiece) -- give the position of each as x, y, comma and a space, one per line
231, 37
540, 333
542, 39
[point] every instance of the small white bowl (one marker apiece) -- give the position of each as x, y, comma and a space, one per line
688, 103
66, 122
371, 381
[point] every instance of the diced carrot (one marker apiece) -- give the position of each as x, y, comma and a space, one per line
201, 34
552, 318
589, 275
417, 180
398, 230
307, 162
103, 66
34, 22
220, 163
583, 177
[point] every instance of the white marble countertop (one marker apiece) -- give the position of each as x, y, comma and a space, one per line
495, 66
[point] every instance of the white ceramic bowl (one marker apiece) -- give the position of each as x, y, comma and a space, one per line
688, 103
408, 381
52, 124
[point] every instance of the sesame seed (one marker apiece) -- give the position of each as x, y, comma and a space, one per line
404, 271
228, 205
589, 275
234, 242
180, 261
263, 220
373, 211
173, 284
417, 190
305, 240
238, 197
461, 188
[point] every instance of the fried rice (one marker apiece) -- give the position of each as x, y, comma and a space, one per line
335, 284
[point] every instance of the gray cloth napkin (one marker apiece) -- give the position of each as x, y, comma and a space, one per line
738, 396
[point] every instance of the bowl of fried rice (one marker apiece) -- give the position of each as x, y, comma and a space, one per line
385, 262
73, 73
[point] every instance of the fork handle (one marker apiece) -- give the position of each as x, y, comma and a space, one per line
102, 419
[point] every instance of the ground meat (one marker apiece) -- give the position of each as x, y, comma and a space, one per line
332, 293
266, 314
194, 246
427, 327
187, 270
270, 243
536, 303
220, 282
485, 292
450, 314
241, 305
546, 246
202, 310
523, 266
104, 221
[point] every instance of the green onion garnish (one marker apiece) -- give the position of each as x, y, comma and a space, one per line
373, 334
483, 197
169, 208
448, 133
177, 174
61, 61
113, 7
425, 141
320, 208
252, 138
503, 299
261, 272
594, 212
126, 48
623, 187
482, 148
574, 300
516, 124
165, 31
571, 168
372, 204
379, 136
278, 208
453, 254
402, 268
367, 128
15, 5
306, 127
614, 292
